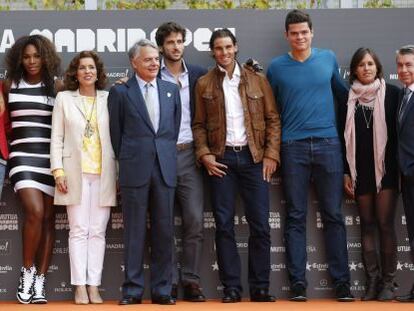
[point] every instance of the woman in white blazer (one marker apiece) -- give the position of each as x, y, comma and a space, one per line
84, 167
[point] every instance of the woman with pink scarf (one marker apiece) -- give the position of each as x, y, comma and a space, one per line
371, 171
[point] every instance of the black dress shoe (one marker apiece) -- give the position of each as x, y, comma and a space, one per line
231, 296
406, 298
193, 293
164, 300
174, 291
261, 295
129, 300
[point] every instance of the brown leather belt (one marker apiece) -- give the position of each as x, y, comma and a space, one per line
181, 147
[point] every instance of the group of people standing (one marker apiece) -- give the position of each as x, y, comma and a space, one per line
71, 142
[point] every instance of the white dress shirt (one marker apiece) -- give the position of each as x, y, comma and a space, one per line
235, 129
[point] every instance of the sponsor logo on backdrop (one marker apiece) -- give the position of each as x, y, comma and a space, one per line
353, 246
403, 220
323, 285
5, 269
277, 267
344, 72
405, 266
114, 245
393, 76
178, 221
116, 221
311, 249
115, 73
317, 266
274, 220
178, 245
319, 223
209, 222
277, 249
357, 285
63, 288
353, 266
352, 220
9, 222
215, 266
5, 247
242, 244
105, 39
276, 181
349, 201
403, 248
3, 290
240, 220
53, 268
60, 247
61, 221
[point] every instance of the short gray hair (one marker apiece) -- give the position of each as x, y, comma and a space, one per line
406, 49
135, 49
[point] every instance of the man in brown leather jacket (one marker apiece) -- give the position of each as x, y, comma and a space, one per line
236, 131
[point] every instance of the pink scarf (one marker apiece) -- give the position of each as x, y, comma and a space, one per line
373, 96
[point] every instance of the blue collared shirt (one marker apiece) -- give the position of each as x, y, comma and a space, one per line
185, 135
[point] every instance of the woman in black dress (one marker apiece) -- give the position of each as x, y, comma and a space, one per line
372, 173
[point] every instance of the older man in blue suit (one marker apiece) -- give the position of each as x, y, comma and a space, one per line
144, 123
405, 130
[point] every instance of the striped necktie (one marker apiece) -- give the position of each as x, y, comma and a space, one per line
404, 103
149, 102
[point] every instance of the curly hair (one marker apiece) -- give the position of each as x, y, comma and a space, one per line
71, 82
165, 29
50, 61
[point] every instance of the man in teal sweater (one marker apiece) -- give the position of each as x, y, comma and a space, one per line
304, 82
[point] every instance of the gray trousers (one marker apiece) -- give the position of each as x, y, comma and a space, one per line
190, 201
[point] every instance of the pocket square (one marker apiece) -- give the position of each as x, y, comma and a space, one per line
168, 94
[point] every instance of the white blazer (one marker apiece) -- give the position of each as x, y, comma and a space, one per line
68, 125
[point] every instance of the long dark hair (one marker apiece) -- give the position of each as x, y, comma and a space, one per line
50, 61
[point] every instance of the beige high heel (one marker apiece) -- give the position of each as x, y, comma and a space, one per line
81, 295
94, 296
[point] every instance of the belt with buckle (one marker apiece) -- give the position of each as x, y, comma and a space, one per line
236, 148
185, 146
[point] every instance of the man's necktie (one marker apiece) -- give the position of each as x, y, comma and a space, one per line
149, 101
404, 103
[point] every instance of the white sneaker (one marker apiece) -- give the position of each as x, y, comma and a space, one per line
25, 289
39, 292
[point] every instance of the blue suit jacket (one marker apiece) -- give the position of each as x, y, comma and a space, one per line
134, 141
405, 130
194, 72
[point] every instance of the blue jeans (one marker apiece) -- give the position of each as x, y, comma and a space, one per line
319, 159
244, 177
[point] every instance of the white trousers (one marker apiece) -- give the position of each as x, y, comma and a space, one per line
87, 223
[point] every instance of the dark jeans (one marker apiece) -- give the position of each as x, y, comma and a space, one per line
245, 176
319, 159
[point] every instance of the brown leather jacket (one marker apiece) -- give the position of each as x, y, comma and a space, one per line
261, 116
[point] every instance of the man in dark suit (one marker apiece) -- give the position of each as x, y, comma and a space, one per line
144, 123
405, 130
170, 39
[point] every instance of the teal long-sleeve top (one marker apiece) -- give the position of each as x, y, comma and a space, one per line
305, 94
